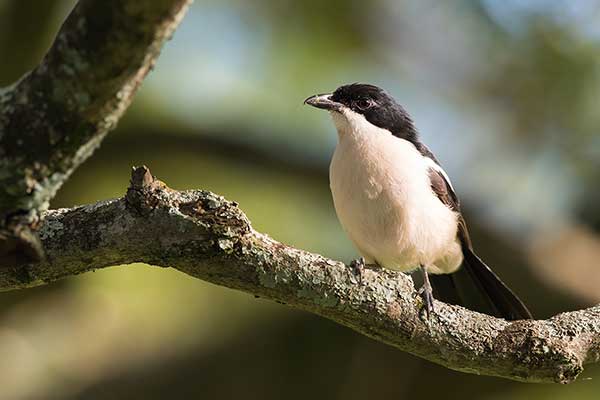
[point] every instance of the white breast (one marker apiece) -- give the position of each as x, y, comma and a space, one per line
384, 201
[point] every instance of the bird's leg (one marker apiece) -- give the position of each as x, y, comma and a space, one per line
426, 292
358, 267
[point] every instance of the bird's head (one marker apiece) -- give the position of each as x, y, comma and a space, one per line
351, 106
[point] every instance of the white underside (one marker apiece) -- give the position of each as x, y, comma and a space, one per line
384, 200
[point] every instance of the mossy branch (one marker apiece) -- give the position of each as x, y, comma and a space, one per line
56, 115
209, 238
53, 118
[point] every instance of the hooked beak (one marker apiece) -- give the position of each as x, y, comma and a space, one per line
323, 101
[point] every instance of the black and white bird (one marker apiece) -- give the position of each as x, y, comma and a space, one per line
398, 206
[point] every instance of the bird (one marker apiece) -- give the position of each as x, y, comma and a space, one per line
398, 207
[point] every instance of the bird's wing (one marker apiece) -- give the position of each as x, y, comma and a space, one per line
441, 186
501, 301
440, 182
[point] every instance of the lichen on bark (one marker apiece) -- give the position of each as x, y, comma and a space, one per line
208, 237
53, 118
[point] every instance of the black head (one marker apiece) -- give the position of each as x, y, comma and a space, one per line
374, 103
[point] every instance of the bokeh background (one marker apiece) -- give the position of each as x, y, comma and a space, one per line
505, 92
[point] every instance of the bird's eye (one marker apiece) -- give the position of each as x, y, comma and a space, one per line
363, 104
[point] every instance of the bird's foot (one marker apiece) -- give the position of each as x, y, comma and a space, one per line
426, 294
358, 266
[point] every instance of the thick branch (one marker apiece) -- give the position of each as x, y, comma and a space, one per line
56, 115
208, 237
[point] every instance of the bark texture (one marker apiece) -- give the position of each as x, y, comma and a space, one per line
54, 117
205, 236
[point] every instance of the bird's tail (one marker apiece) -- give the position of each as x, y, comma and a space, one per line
477, 287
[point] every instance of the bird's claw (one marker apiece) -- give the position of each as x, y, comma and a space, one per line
426, 294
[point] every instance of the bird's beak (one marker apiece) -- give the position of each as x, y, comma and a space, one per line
323, 101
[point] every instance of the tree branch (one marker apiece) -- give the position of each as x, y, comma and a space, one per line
57, 115
209, 238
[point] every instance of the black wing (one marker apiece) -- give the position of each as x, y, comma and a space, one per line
443, 190
494, 296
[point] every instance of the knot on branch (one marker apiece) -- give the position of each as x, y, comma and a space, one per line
144, 192
221, 217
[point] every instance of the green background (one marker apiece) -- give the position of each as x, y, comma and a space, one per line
506, 93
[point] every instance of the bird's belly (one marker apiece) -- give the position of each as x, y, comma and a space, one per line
377, 230
391, 217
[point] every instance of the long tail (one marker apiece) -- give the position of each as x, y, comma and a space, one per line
477, 287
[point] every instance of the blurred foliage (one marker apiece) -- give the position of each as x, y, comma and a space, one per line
505, 92
565, 69
26, 31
